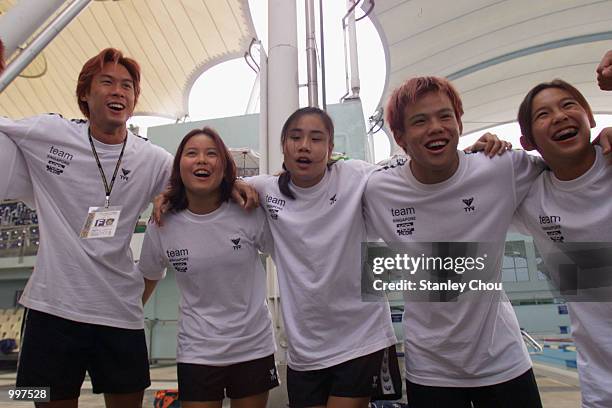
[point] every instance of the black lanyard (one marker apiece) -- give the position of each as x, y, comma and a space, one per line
108, 189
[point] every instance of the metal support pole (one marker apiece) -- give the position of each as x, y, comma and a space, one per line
311, 55
322, 47
283, 72
254, 95
263, 111
41, 41
352, 34
22, 20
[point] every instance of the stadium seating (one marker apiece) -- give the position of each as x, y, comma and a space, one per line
19, 234
10, 323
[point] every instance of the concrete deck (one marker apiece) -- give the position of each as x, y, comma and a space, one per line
559, 388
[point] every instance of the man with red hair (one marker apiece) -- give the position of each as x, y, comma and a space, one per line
469, 350
91, 181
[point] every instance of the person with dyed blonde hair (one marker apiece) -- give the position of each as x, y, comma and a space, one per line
460, 352
468, 352
91, 180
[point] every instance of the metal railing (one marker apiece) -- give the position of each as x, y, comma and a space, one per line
531, 343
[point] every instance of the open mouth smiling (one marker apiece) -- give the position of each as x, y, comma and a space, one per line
201, 173
436, 145
565, 134
116, 106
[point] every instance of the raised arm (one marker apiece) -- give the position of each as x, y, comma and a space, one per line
604, 72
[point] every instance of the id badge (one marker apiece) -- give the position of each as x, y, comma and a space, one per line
101, 222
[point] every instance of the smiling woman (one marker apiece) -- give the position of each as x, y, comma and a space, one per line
225, 338
203, 173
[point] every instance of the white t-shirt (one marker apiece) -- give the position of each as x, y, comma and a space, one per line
95, 280
317, 251
14, 178
463, 343
579, 210
223, 313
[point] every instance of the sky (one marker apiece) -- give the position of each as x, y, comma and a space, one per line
235, 79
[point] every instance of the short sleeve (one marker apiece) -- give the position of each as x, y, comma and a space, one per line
153, 262
359, 166
165, 169
15, 182
258, 182
526, 169
369, 215
19, 130
519, 223
263, 237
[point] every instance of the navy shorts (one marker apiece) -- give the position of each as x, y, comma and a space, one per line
521, 391
357, 378
200, 382
56, 353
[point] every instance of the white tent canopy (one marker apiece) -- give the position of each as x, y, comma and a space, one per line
174, 41
495, 51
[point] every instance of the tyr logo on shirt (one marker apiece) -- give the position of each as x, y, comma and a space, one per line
236, 242
468, 204
124, 175
274, 205
58, 160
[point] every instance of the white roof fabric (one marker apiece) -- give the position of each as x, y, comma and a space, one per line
174, 41
494, 51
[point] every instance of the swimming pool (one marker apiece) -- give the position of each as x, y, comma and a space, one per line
560, 354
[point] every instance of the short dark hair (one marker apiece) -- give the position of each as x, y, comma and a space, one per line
177, 198
524, 113
285, 176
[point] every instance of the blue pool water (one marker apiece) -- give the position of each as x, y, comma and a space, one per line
557, 354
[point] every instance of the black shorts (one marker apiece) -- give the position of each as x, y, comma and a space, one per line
521, 391
357, 378
56, 353
199, 382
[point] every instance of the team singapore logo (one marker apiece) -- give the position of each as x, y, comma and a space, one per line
58, 160
551, 225
274, 205
403, 218
179, 258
